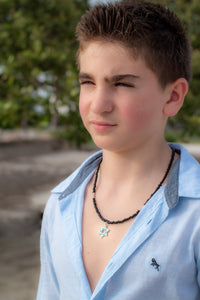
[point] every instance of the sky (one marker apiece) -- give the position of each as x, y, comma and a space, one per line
92, 2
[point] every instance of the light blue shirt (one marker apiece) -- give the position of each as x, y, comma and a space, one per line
158, 258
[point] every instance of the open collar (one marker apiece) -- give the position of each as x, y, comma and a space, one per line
183, 179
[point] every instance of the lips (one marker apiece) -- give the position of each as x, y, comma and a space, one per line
101, 125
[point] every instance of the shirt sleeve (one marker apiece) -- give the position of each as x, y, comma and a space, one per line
48, 288
195, 242
198, 261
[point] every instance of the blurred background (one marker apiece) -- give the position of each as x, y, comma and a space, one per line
42, 139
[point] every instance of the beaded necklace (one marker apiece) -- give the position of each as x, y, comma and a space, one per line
104, 230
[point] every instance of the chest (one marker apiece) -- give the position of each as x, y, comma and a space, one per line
99, 243
151, 254
153, 259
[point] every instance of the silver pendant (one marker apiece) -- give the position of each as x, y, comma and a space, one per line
103, 231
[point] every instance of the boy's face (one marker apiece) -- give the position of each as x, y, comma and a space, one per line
121, 101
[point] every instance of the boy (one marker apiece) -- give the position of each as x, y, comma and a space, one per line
126, 224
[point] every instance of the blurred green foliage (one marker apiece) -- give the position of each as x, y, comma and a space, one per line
185, 126
39, 87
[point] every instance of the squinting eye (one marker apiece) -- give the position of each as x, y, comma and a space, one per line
123, 84
86, 82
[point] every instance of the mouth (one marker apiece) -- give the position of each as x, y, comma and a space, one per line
101, 126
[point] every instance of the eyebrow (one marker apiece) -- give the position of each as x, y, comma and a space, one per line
117, 77
124, 76
84, 76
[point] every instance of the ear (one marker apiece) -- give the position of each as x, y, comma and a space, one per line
176, 94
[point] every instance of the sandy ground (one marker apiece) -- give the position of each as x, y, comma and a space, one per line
28, 171
27, 174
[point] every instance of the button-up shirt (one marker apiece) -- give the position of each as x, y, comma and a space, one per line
158, 258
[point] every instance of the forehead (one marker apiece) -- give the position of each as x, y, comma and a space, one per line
101, 44
104, 58
107, 53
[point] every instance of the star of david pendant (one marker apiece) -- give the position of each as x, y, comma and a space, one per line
103, 231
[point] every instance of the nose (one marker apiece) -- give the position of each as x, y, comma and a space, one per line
101, 101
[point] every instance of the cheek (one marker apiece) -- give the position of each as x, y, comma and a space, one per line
82, 108
137, 118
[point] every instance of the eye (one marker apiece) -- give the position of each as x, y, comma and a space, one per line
124, 84
85, 82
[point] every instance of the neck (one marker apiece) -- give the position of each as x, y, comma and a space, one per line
126, 182
135, 214
135, 164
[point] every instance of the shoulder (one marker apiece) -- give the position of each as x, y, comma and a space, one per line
189, 175
68, 186
188, 189
184, 179
72, 182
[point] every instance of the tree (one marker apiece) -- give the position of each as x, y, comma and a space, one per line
186, 124
38, 84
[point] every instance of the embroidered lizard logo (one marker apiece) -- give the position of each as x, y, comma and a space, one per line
155, 264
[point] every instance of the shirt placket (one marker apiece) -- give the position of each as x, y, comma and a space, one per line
146, 223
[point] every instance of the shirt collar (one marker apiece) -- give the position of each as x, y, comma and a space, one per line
183, 180
189, 174
80, 175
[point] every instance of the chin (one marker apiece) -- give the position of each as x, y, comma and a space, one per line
108, 145
102, 144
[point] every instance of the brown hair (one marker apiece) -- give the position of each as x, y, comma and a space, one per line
147, 29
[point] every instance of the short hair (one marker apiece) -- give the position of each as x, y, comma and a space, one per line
148, 29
